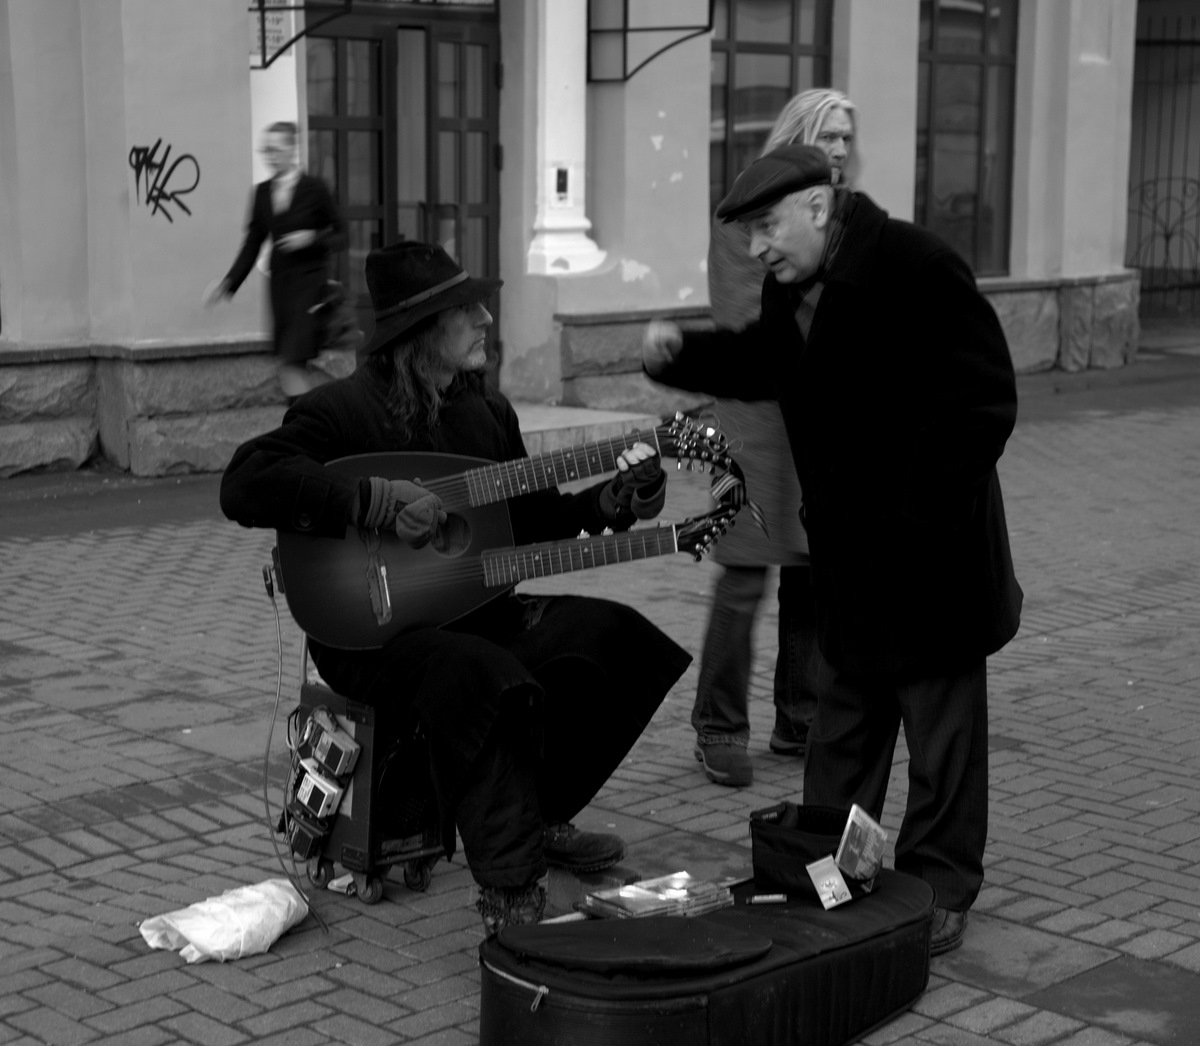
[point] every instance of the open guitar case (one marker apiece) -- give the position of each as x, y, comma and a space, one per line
746, 975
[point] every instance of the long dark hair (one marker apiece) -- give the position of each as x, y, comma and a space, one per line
410, 367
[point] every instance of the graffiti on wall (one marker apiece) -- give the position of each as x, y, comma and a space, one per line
159, 183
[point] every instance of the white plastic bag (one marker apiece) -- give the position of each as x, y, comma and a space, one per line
246, 920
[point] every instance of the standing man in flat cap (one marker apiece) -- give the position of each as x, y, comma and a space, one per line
528, 702
897, 391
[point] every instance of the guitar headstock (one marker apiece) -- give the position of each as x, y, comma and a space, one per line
698, 534
702, 446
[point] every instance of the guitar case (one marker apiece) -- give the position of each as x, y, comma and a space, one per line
748, 975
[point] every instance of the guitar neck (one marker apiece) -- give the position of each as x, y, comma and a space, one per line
510, 479
505, 567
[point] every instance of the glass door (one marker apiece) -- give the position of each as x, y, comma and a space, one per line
463, 187
347, 136
402, 125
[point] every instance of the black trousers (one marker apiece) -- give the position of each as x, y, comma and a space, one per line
295, 291
529, 707
849, 760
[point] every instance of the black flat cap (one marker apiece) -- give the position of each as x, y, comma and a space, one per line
784, 170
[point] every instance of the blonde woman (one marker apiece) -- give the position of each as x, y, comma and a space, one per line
828, 119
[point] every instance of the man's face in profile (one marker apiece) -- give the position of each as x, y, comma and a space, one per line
789, 237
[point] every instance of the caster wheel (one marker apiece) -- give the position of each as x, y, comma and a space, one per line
418, 875
369, 889
320, 871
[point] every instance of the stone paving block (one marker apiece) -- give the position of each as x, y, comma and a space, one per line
342, 1027
451, 964
74, 1003
990, 1016
144, 1036
468, 1036
1039, 1029
48, 1026
289, 1026
437, 1019
195, 1027
947, 999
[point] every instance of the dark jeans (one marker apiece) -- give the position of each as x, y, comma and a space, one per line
850, 749
719, 715
526, 723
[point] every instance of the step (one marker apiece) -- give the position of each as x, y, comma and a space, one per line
547, 427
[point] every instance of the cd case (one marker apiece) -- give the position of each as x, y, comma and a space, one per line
676, 894
860, 853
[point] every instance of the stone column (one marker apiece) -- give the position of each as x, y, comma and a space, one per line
561, 242
875, 63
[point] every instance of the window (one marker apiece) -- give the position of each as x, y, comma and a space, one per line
966, 85
763, 52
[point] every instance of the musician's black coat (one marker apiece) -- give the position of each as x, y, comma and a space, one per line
529, 703
279, 480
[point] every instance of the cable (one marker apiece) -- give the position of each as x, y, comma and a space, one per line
293, 876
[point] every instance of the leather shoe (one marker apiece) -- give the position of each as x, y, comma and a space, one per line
949, 929
565, 846
784, 742
726, 764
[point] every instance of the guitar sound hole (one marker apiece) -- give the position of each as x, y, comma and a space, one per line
453, 536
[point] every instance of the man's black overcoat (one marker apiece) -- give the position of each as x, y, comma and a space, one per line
898, 406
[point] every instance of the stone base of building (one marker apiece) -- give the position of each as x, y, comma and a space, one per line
150, 411
1069, 324
177, 409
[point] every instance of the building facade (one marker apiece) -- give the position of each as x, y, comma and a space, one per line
574, 148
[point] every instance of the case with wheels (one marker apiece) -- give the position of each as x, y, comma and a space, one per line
749, 975
388, 814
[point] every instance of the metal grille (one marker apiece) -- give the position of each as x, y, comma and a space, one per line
1163, 235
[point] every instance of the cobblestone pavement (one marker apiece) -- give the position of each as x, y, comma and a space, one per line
141, 674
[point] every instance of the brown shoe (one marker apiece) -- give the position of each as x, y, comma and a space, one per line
949, 928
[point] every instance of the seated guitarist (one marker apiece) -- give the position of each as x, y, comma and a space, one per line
529, 702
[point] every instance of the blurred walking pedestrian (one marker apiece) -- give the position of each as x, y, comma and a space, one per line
825, 118
297, 212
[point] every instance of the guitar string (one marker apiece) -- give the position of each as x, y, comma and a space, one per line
567, 559
513, 477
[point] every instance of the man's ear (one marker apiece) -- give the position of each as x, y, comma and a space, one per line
821, 204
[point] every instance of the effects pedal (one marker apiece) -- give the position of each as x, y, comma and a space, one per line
316, 792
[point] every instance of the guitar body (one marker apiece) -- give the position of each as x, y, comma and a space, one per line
358, 591
334, 587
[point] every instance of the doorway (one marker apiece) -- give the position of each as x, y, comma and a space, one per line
403, 127
1163, 230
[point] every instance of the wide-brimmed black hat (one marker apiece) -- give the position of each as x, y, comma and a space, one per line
411, 280
773, 176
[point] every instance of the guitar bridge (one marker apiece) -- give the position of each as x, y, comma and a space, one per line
377, 583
